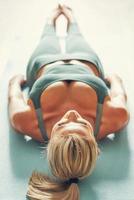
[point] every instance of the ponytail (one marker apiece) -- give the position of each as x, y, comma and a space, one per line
71, 157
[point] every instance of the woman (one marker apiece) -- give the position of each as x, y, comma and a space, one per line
69, 105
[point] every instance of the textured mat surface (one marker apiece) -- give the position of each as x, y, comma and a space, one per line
111, 36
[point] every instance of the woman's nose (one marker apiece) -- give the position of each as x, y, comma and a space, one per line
72, 115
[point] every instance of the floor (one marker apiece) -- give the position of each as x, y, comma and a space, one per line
109, 28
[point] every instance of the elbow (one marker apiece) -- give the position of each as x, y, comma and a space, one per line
125, 115
123, 118
16, 123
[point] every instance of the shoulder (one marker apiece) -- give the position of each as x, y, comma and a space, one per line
23, 118
20, 119
115, 116
25, 122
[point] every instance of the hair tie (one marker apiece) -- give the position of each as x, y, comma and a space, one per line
72, 180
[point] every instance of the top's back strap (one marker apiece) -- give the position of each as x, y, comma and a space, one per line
41, 124
98, 118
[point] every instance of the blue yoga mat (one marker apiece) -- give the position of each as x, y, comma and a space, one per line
113, 177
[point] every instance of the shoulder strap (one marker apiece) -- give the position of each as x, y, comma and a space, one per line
41, 124
98, 118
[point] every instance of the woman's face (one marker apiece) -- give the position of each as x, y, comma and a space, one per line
72, 122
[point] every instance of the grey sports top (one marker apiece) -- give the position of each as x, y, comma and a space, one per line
38, 61
67, 72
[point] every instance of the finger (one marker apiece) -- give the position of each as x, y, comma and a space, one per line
66, 7
60, 6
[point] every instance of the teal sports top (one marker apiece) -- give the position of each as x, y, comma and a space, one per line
36, 62
67, 72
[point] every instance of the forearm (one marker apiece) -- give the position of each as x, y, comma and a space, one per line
14, 91
16, 101
117, 89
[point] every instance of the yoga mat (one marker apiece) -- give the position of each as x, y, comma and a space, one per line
113, 177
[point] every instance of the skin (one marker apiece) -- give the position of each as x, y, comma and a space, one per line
72, 122
73, 103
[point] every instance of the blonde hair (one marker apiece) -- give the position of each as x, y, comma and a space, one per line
70, 156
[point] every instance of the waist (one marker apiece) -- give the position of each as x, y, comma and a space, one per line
90, 66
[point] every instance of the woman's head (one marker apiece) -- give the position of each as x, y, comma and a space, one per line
72, 122
72, 153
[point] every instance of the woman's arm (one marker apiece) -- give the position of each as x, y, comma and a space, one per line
16, 103
22, 116
118, 101
115, 112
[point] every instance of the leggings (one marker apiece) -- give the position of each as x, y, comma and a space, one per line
76, 47
74, 41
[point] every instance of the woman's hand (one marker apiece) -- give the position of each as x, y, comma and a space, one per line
112, 78
68, 13
61, 9
17, 79
54, 15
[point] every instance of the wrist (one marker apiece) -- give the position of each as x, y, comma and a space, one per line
116, 78
17, 80
14, 84
14, 91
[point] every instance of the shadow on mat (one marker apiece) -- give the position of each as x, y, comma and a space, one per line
26, 156
114, 160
